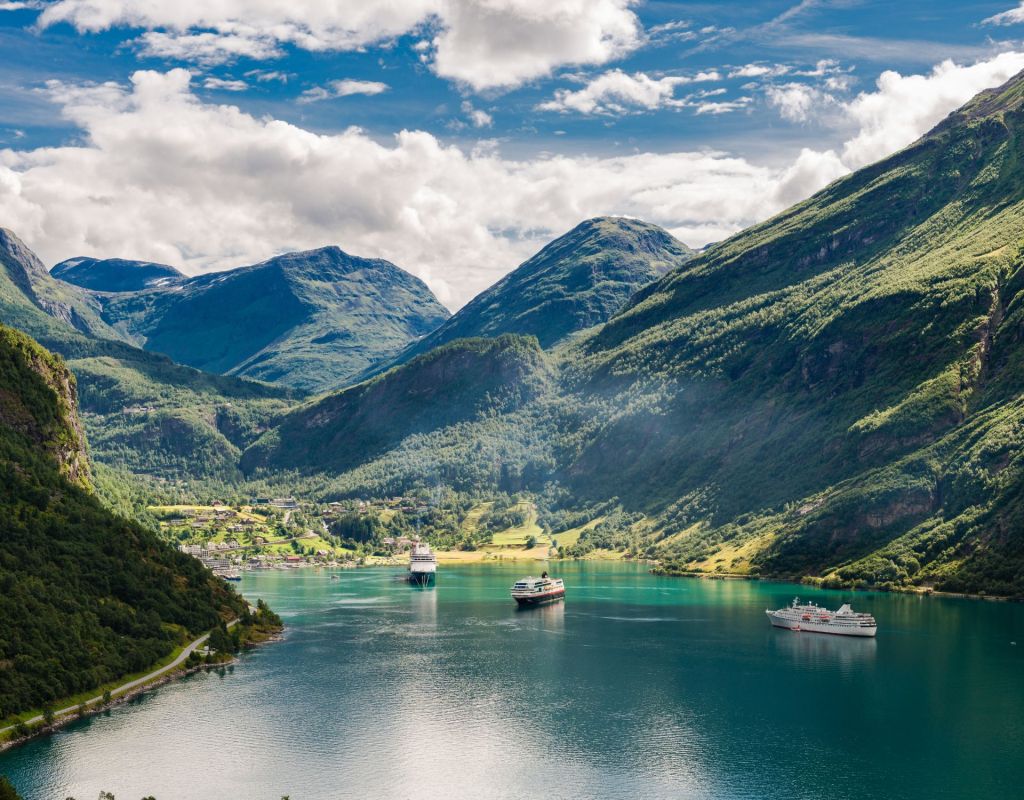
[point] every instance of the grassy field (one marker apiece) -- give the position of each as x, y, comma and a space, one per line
521, 534
472, 520
569, 537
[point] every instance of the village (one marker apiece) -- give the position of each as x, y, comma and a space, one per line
282, 532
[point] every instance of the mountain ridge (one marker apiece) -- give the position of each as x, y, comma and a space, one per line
115, 274
311, 320
576, 281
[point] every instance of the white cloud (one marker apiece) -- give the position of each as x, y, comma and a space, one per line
1012, 17
722, 106
18, 5
796, 101
477, 117
759, 71
225, 85
481, 43
617, 92
343, 88
161, 175
906, 106
265, 76
207, 48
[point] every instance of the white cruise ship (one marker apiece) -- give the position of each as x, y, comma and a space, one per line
814, 618
422, 564
538, 591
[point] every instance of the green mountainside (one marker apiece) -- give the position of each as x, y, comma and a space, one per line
455, 383
838, 388
309, 320
85, 596
115, 274
577, 281
836, 392
143, 413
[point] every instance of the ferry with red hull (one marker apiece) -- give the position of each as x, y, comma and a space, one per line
813, 618
538, 591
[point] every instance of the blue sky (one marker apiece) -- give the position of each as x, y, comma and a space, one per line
712, 104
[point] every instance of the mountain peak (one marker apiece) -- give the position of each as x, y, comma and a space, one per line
115, 274
575, 282
21, 264
988, 104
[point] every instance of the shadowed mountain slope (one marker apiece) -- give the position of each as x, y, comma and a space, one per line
455, 383
577, 281
310, 320
115, 274
143, 413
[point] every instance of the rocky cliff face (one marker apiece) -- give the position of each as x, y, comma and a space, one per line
39, 400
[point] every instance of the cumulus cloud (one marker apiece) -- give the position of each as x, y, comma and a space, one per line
159, 174
1012, 17
617, 92
481, 43
906, 106
796, 101
343, 88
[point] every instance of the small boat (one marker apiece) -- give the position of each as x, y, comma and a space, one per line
232, 575
532, 591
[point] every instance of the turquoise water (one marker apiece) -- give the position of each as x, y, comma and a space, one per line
636, 686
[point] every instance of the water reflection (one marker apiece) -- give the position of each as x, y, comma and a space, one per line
423, 602
550, 617
819, 650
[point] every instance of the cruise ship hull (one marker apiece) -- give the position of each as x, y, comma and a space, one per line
418, 578
810, 626
540, 600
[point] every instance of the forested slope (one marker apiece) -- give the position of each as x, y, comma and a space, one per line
85, 596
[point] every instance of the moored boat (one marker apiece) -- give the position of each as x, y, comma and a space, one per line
532, 591
813, 618
422, 565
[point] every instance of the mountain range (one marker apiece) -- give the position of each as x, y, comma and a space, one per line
144, 415
310, 320
834, 394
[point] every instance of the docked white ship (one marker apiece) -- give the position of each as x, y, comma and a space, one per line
812, 617
422, 564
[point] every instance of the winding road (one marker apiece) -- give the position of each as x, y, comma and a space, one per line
127, 687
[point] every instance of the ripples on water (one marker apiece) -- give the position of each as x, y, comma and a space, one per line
634, 687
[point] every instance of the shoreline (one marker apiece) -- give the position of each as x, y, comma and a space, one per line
923, 591
97, 706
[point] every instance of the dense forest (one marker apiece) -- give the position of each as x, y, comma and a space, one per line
86, 596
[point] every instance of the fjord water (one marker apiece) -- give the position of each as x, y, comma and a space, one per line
636, 686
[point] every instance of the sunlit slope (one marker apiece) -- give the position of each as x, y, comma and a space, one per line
870, 333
